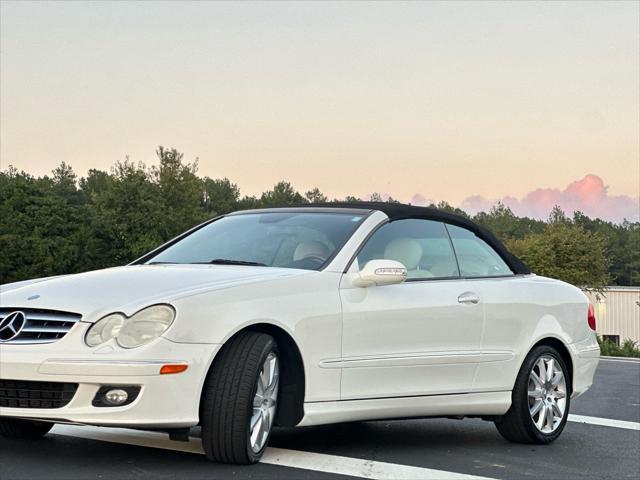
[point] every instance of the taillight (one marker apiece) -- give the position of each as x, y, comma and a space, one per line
591, 318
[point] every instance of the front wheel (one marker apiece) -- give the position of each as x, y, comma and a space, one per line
540, 399
240, 399
19, 428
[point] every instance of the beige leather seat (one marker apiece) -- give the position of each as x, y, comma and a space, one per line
408, 252
310, 249
444, 267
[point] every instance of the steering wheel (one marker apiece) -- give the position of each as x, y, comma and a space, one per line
314, 258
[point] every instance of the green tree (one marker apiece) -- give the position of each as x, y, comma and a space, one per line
444, 206
182, 193
127, 215
42, 224
283, 193
565, 251
501, 221
315, 196
248, 203
220, 196
622, 246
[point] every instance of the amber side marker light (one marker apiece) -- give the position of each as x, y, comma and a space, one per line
173, 368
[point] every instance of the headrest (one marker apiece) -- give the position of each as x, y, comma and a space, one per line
404, 250
310, 249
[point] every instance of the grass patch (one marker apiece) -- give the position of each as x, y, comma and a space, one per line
629, 348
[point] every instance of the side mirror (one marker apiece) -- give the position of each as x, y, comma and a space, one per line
380, 272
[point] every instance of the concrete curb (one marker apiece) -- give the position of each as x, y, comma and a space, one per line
625, 359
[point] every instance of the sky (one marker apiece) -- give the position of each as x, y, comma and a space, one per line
529, 103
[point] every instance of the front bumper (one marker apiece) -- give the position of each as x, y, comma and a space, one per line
164, 401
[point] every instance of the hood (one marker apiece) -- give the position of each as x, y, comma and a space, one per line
127, 289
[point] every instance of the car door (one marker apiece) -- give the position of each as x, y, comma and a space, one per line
420, 337
506, 305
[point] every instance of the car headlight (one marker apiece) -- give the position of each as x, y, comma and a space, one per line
105, 329
141, 328
146, 325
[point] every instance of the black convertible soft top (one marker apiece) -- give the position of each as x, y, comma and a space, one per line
399, 211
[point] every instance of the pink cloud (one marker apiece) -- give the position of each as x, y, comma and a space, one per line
588, 195
420, 201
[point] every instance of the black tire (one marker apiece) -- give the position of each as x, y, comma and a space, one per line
517, 425
18, 428
227, 399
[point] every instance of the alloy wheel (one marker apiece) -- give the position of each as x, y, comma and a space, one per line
264, 403
547, 394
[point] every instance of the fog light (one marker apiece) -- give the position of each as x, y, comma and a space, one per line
115, 397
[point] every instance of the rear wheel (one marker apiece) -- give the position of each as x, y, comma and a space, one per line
540, 399
19, 428
240, 399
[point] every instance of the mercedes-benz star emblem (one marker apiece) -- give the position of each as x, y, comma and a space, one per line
12, 325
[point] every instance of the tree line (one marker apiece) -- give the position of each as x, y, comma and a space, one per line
59, 223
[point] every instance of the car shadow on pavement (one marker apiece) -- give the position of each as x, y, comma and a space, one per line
393, 434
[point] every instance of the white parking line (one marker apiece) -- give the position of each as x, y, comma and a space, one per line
356, 467
318, 462
604, 422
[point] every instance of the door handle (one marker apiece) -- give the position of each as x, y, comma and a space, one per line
468, 297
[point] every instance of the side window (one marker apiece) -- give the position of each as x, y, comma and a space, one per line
423, 246
475, 257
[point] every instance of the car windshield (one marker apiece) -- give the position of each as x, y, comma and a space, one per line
304, 240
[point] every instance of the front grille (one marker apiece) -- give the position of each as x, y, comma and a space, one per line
40, 326
27, 394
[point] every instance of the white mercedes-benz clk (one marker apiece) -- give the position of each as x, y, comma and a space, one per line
294, 317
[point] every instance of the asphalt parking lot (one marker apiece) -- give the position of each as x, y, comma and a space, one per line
606, 446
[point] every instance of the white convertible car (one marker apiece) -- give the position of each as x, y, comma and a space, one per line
294, 317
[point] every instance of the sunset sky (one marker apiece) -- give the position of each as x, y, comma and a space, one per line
529, 103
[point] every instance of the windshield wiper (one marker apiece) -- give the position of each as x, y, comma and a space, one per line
226, 261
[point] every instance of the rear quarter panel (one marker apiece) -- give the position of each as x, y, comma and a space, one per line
522, 311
